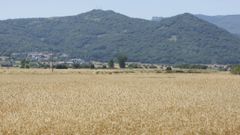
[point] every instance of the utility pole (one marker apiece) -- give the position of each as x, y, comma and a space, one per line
51, 60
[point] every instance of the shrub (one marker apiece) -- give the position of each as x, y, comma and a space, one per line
152, 67
111, 64
104, 67
179, 71
76, 66
45, 66
236, 70
92, 66
134, 66
82, 66
168, 69
61, 66
188, 66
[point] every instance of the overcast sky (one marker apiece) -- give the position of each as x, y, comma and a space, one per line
134, 8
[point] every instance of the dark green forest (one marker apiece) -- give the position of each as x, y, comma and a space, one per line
103, 35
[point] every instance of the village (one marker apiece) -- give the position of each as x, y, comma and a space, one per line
62, 61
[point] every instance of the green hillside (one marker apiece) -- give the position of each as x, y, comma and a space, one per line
228, 22
102, 35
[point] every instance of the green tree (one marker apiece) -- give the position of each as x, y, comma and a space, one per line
25, 64
122, 61
92, 66
111, 64
169, 69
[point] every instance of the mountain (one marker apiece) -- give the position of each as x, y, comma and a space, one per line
102, 35
228, 22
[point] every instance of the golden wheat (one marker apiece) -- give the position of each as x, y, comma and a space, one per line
83, 102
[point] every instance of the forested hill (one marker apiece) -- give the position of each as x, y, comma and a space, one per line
102, 35
228, 22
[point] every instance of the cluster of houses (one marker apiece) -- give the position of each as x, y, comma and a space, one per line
220, 67
6, 61
46, 58
36, 56
33, 56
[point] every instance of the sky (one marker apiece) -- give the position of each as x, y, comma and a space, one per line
10, 9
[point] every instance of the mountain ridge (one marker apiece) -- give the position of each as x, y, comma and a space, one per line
102, 35
228, 22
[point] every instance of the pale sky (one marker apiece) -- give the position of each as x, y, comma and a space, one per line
134, 8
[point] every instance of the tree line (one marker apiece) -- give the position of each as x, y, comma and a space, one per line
121, 60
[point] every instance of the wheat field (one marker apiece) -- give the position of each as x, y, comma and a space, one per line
38, 102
